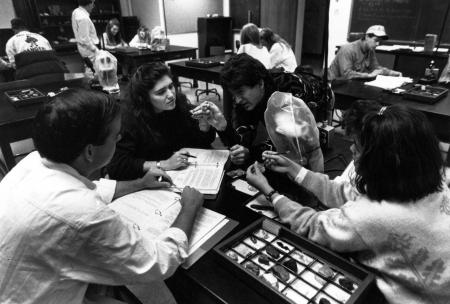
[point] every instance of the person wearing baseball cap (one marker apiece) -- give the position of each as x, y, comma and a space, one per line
358, 60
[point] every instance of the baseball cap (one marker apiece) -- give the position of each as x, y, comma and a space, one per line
377, 30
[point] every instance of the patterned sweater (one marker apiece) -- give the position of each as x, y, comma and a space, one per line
406, 245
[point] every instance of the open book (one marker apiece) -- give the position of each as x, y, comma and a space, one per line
204, 173
153, 211
388, 82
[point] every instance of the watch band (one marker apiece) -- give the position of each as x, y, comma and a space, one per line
270, 194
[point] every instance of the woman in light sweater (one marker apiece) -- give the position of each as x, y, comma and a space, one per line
281, 54
251, 45
397, 224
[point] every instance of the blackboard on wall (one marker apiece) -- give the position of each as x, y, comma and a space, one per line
181, 15
404, 20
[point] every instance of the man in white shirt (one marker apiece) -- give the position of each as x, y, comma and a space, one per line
58, 233
84, 30
24, 41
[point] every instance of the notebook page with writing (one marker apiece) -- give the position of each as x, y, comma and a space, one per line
153, 211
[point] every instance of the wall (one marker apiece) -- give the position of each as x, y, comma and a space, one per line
340, 12
6, 13
147, 12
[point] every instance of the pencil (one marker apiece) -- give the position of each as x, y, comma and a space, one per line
187, 154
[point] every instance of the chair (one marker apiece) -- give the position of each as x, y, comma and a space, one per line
213, 51
31, 65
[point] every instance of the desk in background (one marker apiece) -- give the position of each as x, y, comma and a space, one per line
411, 64
137, 58
16, 123
346, 92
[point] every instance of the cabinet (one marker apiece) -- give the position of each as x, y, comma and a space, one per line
52, 18
214, 32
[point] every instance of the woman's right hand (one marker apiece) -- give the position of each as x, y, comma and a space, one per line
211, 113
177, 161
281, 164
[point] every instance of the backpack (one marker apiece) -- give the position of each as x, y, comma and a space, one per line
307, 87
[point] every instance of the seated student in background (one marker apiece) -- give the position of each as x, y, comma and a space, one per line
251, 45
251, 85
112, 37
397, 226
358, 59
24, 41
58, 233
157, 125
281, 54
142, 38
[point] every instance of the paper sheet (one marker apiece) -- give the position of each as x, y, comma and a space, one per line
388, 82
153, 211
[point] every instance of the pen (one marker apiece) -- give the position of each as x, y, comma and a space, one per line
172, 185
187, 154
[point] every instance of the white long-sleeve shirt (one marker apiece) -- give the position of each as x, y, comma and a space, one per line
57, 234
85, 33
25, 41
262, 54
282, 57
405, 242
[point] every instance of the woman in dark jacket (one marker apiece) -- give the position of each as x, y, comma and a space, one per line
156, 125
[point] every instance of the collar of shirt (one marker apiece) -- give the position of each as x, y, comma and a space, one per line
69, 170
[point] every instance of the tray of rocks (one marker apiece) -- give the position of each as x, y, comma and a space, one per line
287, 268
25, 97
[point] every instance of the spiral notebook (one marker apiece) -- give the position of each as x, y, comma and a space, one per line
205, 171
153, 211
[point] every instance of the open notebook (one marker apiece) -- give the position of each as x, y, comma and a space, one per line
153, 211
204, 173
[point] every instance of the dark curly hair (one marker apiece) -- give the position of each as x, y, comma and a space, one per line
352, 120
142, 81
243, 70
73, 119
400, 158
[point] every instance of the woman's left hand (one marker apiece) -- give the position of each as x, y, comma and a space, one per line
257, 179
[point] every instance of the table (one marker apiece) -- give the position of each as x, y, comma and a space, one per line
348, 91
16, 123
139, 57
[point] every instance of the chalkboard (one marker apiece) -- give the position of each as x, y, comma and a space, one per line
404, 20
181, 15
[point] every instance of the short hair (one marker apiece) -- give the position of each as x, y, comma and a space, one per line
352, 120
72, 120
271, 38
243, 70
18, 23
400, 158
250, 34
84, 2
142, 81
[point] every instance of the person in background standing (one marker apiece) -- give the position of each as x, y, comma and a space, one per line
84, 30
281, 54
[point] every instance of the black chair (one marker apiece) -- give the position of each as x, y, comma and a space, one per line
213, 51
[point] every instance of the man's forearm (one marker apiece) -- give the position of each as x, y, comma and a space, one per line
185, 220
126, 187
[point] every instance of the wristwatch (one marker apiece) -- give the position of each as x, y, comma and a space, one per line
158, 165
270, 195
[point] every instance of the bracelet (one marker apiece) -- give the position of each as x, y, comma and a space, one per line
270, 194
